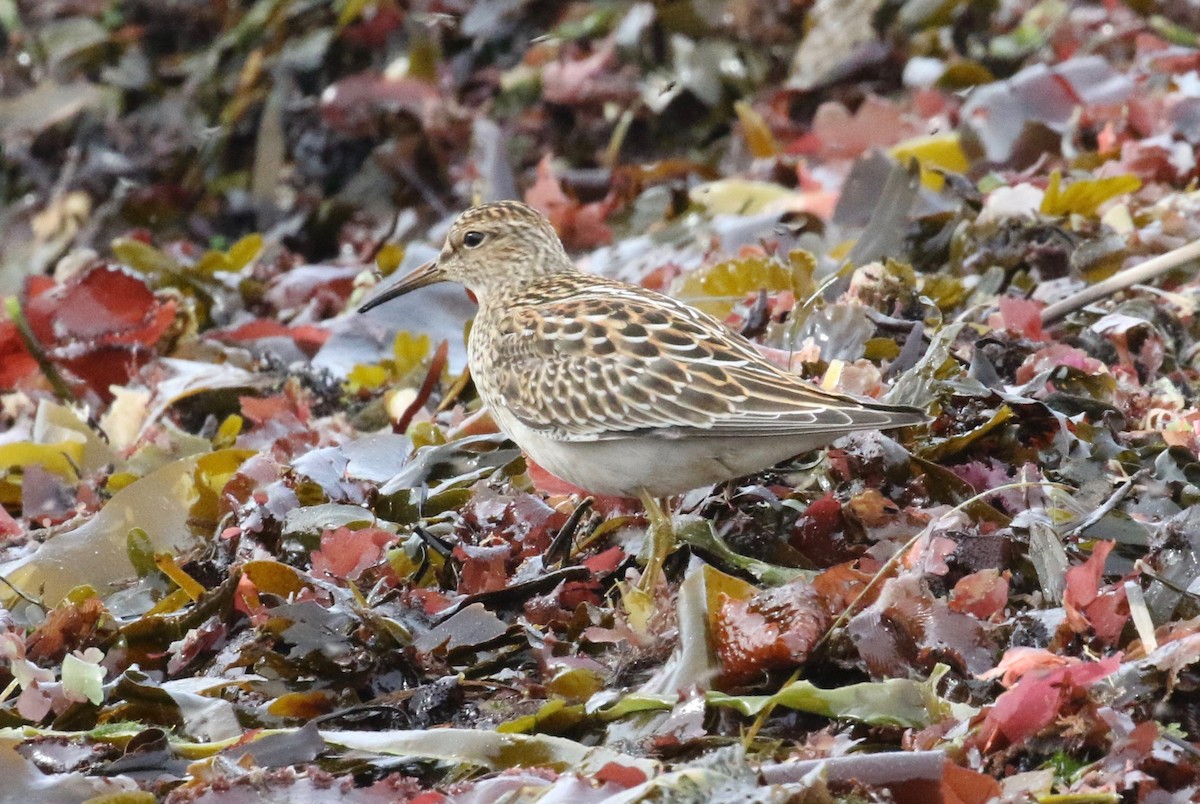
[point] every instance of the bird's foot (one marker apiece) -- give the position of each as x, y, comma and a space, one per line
662, 539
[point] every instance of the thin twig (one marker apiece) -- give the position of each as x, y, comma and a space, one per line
386, 238
1103, 511
562, 540
436, 366
1122, 279
12, 306
455, 391
21, 594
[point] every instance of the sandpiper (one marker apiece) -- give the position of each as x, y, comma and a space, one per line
615, 388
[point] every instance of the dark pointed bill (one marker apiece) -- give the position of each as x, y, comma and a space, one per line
426, 274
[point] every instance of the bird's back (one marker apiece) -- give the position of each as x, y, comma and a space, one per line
581, 358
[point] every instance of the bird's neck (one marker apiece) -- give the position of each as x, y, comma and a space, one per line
502, 290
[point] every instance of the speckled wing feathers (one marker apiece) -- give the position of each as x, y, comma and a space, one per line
588, 359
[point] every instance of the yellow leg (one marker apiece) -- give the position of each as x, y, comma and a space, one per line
662, 539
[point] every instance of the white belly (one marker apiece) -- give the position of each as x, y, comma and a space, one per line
661, 467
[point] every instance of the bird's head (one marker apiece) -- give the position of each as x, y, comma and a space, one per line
488, 246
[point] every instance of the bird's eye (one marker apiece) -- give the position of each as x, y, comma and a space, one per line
473, 239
